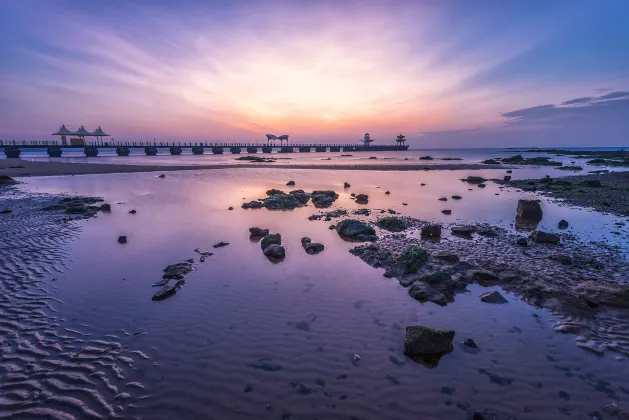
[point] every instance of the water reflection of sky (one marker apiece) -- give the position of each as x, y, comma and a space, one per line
237, 308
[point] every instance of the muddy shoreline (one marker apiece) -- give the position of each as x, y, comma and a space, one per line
19, 168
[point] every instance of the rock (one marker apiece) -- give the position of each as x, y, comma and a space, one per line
546, 180
6, 211
493, 297
281, 201
481, 185
522, 242
545, 237
509, 171
122, 239
272, 239
446, 212
230, 208
255, 204
507, 178
491, 162
362, 198
301, 196
273, 192
563, 224
162, 176
421, 341
422, 184
529, 210
352, 228
480, 275
362, 212
105, 207
311, 247
443, 199
561, 258
412, 258
6, 180
256, 231
132, 212
392, 224
352, 195
220, 244
474, 179
594, 183
456, 197
275, 251
322, 199
470, 343
190, 260
177, 271
346, 185
423, 292
431, 230
463, 230
290, 183
165, 292
159, 283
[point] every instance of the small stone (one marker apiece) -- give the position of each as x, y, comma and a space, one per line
493, 297
470, 343
105, 207
362, 198
443, 199
463, 230
481, 185
563, 224
387, 192
220, 244
311, 247
230, 208
162, 176
507, 178
456, 197
165, 292
545, 237
132, 212
346, 185
522, 242
122, 239
290, 183
421, 340
446, 212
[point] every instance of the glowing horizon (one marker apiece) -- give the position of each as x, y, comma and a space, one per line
211, 71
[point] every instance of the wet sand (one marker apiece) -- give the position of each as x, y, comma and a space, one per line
248, 338
17, 168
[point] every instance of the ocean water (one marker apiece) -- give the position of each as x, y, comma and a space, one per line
466, 156
246, 338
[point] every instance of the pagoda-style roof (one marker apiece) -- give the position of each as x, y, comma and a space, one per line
99, 132
82, 132
63, 131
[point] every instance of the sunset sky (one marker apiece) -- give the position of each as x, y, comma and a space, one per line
445, 73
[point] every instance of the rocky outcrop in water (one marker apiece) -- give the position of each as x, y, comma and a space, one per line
362, 198
355, 229
529, 210
83, 207
177, 271
311, 247
493, 297
392, 224
323, 198
255, 204
272, 239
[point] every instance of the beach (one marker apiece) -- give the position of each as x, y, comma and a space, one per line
247, 336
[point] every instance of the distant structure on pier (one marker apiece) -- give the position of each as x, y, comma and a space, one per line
273, 137
80, 134
400, 140
367, 140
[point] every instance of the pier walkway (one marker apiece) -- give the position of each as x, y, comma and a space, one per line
13, 149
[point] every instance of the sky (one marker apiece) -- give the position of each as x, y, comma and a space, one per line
478, 73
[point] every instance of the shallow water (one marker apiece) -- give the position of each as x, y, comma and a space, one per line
246, 338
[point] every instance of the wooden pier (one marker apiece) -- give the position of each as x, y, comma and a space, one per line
13, 149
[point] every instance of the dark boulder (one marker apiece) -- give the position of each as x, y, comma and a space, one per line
177, 271
456, 197
431, 231
529, 210
122, 239
470, 343
346, 185
301, 196
563, 224
272, 239
275, 251
447, 212
281, 201
220, 244
323, 198
355, 229
420, 341
256, 231
311, 247
362, 198
274, 191
463, 230
165, 292
290, 183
